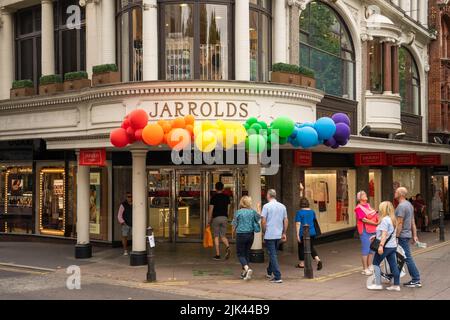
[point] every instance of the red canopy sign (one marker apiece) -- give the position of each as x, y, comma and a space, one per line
92, 157
402, 159
303, 158
429, 160
370, 159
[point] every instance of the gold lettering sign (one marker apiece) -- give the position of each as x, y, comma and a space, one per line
202, 109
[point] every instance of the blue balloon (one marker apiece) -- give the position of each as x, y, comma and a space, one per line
294, 134
325, 128
307, 137
295, 143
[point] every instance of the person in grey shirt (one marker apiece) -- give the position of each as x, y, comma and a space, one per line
274, 223
406, 230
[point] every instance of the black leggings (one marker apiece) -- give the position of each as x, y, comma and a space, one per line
301, 249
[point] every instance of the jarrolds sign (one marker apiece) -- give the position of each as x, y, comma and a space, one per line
226, 109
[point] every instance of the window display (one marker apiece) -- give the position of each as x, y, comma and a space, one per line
439, 193
52, 210
16, 199
408, 178
330, 193
374, 188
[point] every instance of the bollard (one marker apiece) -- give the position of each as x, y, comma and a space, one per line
441, 226
308, 258
151, 273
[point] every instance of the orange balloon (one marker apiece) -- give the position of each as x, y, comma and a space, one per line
166, 138
166, 127
178, 123
189, 119
178, 139
152, 134
161, 122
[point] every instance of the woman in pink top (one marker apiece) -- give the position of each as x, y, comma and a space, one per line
367, 221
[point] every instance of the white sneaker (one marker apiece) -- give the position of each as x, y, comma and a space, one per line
248, 276
393, 288
375, 287
367, 272
371, 267
125, 253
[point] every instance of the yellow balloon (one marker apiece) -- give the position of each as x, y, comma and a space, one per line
240, 134
206, 141
208, 125
197, 128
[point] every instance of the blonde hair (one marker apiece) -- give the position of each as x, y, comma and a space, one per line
245, 202
387, 209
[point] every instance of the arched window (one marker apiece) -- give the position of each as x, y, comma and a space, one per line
326, 47
129, 39
260, 34
409, 82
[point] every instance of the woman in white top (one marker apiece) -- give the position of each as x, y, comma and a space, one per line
387, 248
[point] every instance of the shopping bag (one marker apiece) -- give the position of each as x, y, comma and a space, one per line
207, 238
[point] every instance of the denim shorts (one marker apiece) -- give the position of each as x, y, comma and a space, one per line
365, 243
126, 230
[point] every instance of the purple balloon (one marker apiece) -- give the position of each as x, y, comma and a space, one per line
344, 143
342, 132
341, 118
335, 146
330, 142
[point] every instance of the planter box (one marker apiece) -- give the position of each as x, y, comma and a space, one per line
78, 84
308, 81
51, 88
105, 78
286, 78
21, 92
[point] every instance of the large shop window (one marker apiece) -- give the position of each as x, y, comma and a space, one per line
326, 47
129, 39
16, 199
52, 201
28, 44
70, 43
260, 35
440, 196
409, 82
195, 40
331, 196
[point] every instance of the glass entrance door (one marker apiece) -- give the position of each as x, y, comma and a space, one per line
160, 203
189, 207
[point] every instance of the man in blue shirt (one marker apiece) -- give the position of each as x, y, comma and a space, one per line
275, 224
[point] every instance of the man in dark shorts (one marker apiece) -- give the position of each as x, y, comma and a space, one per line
218, 219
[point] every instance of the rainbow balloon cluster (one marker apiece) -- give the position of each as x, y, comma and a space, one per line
207, 135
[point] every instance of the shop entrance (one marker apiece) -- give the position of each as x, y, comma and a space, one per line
179, 199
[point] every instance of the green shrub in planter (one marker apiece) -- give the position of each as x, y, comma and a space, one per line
50, 79
18, 84
292, 68
77, 75
103, 68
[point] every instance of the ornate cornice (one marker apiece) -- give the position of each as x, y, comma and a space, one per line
157, 88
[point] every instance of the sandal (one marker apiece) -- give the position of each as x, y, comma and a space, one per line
298, 266
319, 265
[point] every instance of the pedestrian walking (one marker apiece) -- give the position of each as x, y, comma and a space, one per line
306, 216
387, 247
406, 230
275, 223
420, 215
367, 221
125, 217
218, 219
245, 224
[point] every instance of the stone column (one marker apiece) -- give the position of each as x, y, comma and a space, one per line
279, 47
138, 254
150, 39
48, 38
6, 53
423, 12
387, 74
83, 247
108, 31
254, 191
242, 40
91, 36
414, 9
294, 35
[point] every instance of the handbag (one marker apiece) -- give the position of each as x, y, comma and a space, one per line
376, 243
317, 227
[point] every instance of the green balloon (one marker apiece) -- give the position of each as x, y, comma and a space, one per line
263, 124
256, 143
246, 126
284, 125
251, 121
256, 127
282, 140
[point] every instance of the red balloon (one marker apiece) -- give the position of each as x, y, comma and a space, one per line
138, 119
138, 135
178, 139
119, 137
126, 123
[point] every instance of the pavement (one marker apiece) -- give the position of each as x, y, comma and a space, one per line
33, 270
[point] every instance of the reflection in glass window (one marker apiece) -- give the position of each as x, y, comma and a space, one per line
409, 82
260, 26
129, 33
326, 48
375, 48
